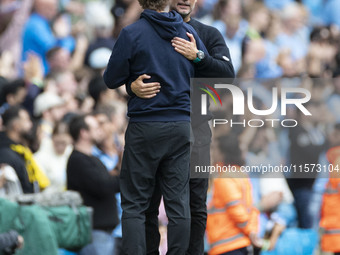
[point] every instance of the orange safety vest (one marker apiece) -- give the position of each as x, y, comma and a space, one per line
231, 214
330, 213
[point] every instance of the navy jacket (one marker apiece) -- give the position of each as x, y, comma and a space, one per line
145, 48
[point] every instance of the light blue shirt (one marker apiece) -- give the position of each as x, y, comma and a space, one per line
235, 43
39, 39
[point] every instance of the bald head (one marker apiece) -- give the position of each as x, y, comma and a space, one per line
46, 8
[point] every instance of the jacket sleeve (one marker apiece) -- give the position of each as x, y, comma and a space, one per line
8, 240
118, 68
236, 209
217, 64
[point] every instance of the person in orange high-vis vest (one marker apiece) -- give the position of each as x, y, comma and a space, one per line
232, 221
330, 213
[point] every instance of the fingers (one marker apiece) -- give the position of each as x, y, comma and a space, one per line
148, 96
181, 47
181, 51
153, 86
180, 40
143, 76
191, 37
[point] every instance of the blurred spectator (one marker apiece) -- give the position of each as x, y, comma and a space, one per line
256, 49
307, 141
108, 153
277, 4
294, 35
99, 50
100, 93
330, 12
87, 175
330, 217
270, 191
13, 15
58, 59
13, 151
106, 149
233, 28
12, 94
53, 157
333, 102
65, 83
9, 182
125, 13
38, 36
322, 52
33, 76
49, 107
232, 223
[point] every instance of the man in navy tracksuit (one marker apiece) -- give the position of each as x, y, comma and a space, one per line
217, 64
157, 140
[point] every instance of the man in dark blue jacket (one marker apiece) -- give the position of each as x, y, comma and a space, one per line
217, 64
157, 140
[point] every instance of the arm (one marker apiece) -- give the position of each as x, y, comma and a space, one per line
142, 89
215, 64
237, 211
118, 68
44, 37
9, 239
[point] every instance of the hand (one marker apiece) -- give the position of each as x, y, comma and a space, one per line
20, 242
6, 64
2, 179
82, 43
255, 240
186, 48
33, 68
145, 90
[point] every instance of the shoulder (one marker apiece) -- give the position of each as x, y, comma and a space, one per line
206, 28
189, 28
135, 27
36, 21
77, 158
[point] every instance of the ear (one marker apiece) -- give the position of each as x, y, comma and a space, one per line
10, 99
83, 133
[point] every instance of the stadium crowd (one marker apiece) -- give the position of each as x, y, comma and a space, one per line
53, 99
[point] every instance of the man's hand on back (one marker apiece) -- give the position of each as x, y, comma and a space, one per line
184, 47
145, 90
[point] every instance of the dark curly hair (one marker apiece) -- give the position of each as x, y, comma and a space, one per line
156, 5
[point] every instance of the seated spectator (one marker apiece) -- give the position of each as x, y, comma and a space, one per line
12, 93
87, 175
53, 158
50, 108
13, 151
